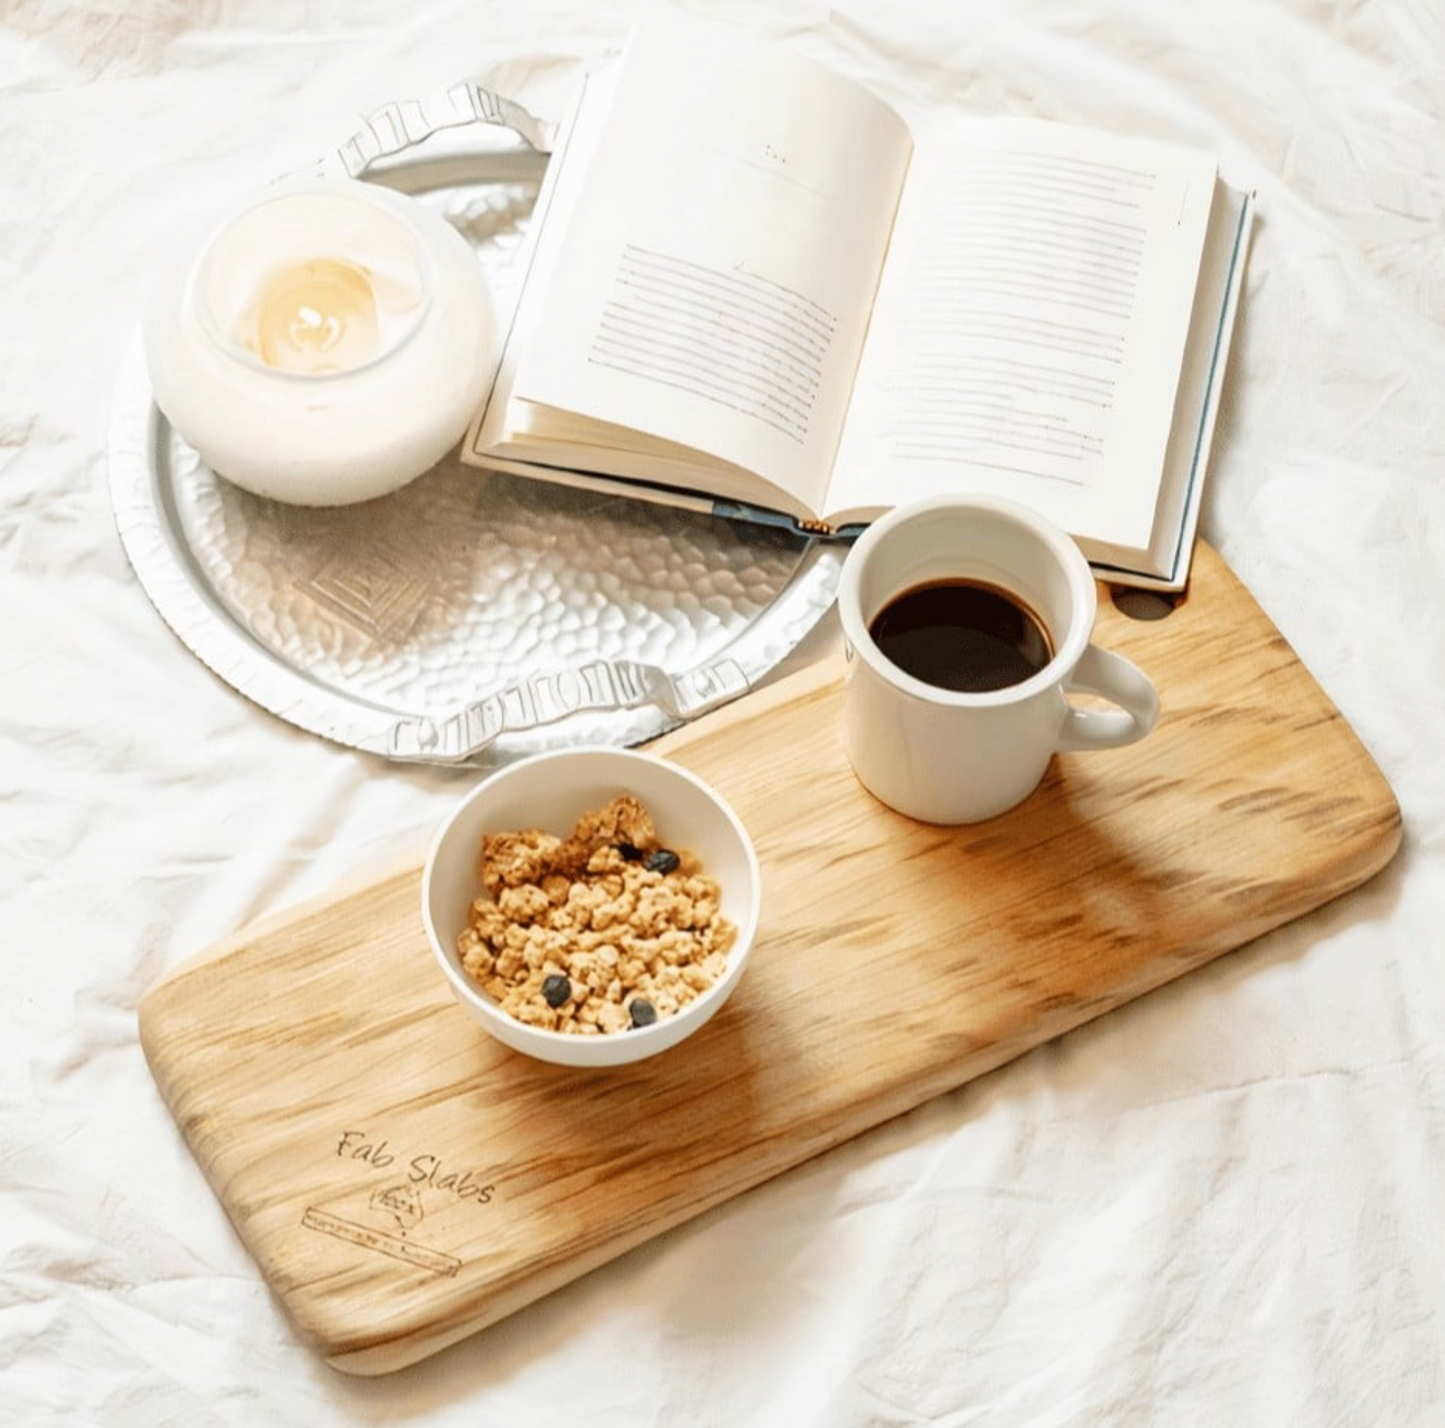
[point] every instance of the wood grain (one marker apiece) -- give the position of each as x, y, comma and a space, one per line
404, 1181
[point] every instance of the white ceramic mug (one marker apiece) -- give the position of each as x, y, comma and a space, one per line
945, 756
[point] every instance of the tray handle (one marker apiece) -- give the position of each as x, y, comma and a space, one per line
549, 697
405, 123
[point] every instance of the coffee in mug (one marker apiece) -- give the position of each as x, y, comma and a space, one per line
965, 635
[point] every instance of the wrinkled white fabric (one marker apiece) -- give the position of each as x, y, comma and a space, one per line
1219, 1205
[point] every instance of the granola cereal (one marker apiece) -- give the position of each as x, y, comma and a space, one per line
597, 932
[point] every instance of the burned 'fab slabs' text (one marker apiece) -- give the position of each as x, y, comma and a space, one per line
424, 1171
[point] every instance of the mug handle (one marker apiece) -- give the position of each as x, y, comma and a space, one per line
1124, 685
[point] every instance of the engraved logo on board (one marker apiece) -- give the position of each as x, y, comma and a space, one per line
389, 1217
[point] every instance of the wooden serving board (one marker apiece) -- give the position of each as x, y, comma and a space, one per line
403, 1180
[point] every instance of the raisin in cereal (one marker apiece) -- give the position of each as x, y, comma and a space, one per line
597, 932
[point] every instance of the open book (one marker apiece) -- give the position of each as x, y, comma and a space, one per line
753, 290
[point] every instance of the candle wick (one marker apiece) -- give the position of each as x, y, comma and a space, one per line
310, 324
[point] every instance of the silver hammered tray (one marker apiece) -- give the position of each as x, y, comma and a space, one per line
470, 618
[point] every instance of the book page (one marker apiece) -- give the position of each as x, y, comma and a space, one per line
1030, 327
718, 256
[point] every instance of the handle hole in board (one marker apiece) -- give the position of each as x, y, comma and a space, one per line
1143, 604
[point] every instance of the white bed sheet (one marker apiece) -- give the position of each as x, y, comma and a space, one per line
1220, 1205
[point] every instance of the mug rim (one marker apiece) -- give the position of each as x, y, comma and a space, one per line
1070, 558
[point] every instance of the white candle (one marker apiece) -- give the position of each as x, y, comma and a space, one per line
328, 343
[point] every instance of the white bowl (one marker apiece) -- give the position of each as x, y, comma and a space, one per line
549, 791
